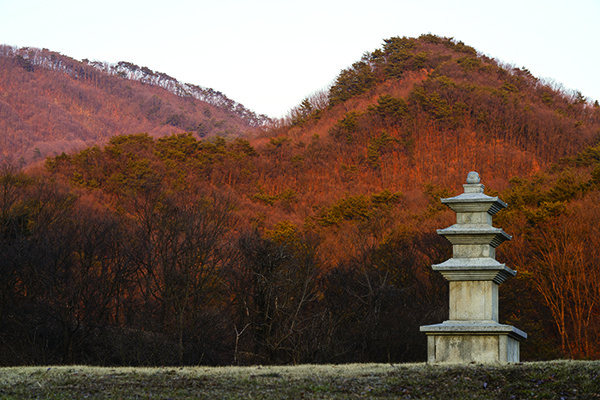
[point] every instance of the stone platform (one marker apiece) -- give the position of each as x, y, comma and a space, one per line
481, 342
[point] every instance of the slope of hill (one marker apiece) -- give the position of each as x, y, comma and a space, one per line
312, 241
50, 103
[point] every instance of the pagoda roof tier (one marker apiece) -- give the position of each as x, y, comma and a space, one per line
474, 327
474, 234
474, 269
474, 202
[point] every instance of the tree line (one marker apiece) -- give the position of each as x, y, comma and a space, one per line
149, 252
166, 276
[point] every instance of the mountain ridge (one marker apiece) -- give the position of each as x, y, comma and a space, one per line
89, 98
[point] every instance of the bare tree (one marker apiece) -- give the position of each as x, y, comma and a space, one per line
565, 271
276, 294
178, 242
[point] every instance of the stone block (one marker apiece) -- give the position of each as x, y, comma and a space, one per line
473, 300
474, 251
472, 348
466, 342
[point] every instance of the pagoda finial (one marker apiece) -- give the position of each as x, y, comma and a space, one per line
473, 184
473, 177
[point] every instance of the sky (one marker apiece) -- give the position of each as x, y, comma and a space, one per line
271, 54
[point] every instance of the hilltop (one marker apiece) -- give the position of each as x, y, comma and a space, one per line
311, 240
431, 108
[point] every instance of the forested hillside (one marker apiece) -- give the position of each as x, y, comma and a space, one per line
312, 241
50, 103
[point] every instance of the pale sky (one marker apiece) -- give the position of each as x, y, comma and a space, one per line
270, 54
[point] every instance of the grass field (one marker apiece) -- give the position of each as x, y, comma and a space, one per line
544, 380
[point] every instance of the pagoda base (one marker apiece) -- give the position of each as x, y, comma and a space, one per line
473, 342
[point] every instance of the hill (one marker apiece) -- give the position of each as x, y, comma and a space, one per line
312, 241
50, 103
428, 109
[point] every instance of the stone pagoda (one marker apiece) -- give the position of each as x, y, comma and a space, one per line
473, 334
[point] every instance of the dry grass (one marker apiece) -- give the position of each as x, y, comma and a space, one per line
549, 380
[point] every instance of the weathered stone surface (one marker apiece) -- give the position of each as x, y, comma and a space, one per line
473, 333
472, 348
465, 342
473, 300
